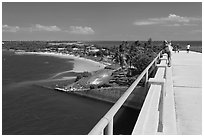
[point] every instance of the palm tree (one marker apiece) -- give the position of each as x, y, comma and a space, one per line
121, 49
149, 42
121, 60
129, 57
131, 52
137, 43
85, 46
116, 56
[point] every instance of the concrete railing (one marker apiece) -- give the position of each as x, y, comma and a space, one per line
105, 125
151, 117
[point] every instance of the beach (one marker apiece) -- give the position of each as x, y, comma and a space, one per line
80, 64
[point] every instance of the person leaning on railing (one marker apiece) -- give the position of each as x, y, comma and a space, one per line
167, 50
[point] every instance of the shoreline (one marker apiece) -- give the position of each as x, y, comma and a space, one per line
80, 64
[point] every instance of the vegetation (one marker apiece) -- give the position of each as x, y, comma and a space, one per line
136, 54
81, 75
128, 59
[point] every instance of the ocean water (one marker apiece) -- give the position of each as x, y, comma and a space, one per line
28, 109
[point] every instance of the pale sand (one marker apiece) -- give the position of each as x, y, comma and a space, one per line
80, 64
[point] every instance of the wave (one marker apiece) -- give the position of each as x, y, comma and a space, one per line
35, 82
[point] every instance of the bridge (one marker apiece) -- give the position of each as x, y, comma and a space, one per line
173, 104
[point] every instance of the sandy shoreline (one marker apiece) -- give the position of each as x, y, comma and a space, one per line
80, 64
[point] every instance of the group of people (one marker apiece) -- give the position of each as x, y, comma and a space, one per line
176, 48
168, 48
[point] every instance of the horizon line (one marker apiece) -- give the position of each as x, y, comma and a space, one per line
100, 40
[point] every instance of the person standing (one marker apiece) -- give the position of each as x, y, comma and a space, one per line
177, 47
167, 50
188, 47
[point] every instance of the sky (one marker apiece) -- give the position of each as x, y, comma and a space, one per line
102, 21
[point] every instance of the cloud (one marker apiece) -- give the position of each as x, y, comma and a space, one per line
173, 25
141, 23
36, 27
171, 20
81, 30
39, 27
7, 28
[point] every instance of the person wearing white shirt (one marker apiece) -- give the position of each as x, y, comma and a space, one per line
188, 47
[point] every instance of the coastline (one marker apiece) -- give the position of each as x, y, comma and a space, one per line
80, 64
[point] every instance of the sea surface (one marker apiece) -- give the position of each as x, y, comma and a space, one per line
28, 109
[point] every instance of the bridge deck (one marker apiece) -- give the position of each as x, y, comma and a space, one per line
187, 87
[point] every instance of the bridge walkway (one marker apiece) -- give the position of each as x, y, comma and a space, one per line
173, 104
187, 88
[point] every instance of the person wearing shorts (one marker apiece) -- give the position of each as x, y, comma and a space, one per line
188, 48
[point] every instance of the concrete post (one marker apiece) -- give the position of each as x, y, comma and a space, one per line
109, 128
155, 63
102, 132
163, 66
146, 81
164, 59
161, 102
161, 110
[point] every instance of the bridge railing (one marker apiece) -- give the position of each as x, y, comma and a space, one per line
105, 125
151, 117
